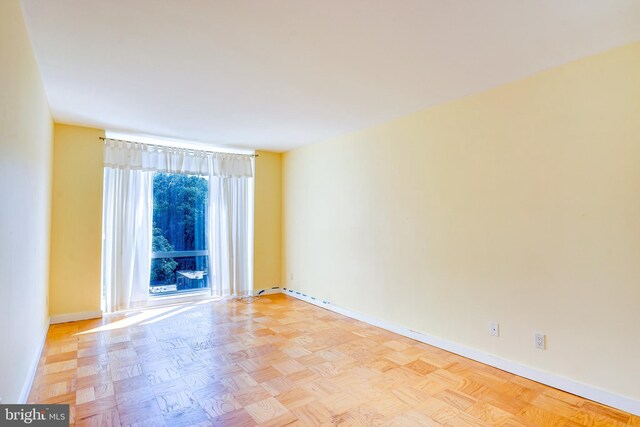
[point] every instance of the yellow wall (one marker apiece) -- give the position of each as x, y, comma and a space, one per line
520, 204
76, 220
267, 257
25, 173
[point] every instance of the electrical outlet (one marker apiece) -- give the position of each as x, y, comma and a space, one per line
494, 329
541, 341
291, 276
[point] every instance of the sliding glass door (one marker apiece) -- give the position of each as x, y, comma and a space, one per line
180, 253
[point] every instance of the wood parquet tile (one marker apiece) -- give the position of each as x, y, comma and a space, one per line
281, 362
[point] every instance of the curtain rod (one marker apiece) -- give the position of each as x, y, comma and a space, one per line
159, 145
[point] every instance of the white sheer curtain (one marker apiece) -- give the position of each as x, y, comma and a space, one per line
128, 209
229, 235
126, 229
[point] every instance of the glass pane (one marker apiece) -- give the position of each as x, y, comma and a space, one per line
179, 274
180, 227
179, 212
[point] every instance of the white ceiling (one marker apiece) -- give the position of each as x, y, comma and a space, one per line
278, 74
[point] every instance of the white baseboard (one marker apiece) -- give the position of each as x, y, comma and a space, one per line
33, 367
580, 389
72, 317
270, 291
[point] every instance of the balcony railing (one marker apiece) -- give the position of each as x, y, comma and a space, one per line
178, 254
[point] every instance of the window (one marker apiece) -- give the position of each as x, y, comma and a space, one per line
155, 224
179, 259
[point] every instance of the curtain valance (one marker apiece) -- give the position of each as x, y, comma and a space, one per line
139, 156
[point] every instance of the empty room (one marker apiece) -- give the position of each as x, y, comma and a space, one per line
312, 213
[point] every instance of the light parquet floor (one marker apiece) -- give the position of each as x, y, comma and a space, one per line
279, 361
